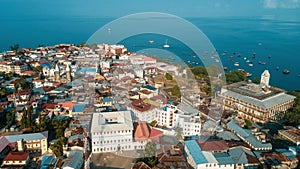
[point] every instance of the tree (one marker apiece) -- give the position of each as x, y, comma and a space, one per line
235, 76
199, 70
153, 123
178, 132
37, 68
57, 149
256, 80
292, 116
10, 117
27, 121
149, 154
83, 44
176, 91
3, 91
169, 76
14, 47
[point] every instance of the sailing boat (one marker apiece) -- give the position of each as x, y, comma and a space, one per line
166, 45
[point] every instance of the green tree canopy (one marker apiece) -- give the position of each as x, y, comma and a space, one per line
169, 76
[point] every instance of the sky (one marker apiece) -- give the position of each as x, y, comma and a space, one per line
18, 9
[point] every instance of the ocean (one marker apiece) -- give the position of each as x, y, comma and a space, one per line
274, 41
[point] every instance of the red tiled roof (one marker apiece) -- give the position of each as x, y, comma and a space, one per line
4, 143
48, 106
141, 131
16, 156
160, 97
25, 92
140, 106
69, 105
219, 145
29, 72
155, 134
140, 165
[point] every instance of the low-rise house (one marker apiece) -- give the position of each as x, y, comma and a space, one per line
140, 165
148, 92
247, 136
74, 160
172, 158
16, 159
290, 133
244, 158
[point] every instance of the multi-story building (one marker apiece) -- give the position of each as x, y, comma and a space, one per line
19, 67
258, 103
112, 131
191, 126
143, 111
6, 67
33, 142
169, 116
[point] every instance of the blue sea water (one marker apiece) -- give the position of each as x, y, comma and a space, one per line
278, 38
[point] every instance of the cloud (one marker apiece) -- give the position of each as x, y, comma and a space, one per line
286, 4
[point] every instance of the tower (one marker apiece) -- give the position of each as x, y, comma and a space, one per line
56, 74
68, 73
265, 79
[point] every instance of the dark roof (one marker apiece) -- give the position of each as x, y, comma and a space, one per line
16, 156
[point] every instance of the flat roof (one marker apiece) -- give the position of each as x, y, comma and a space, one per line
111, 121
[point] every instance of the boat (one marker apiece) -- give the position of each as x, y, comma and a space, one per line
277, 68
225, 68
248, 74
223, 54
166, 45
236, 64
151, 41
261, 63
250, 64
285, 71
245, 58
247, 61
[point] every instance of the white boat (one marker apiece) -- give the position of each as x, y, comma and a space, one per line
151, 41
166, 45
250, 64
236, 64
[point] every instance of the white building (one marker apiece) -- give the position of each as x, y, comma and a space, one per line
112, 131
169, 116
143, 111
191, 126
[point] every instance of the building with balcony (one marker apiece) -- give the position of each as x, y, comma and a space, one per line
33, 142
256, 102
